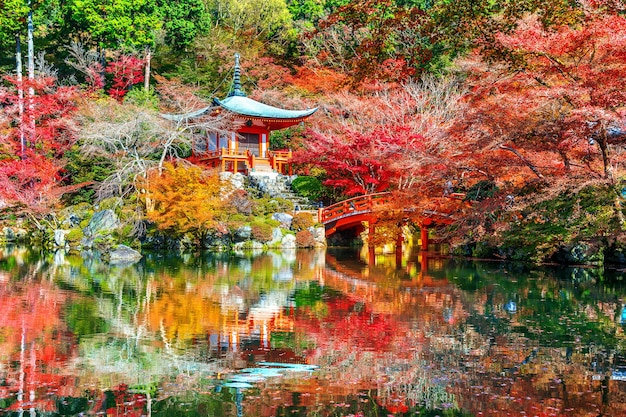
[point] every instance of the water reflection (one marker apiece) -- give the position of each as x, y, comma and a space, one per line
308, 333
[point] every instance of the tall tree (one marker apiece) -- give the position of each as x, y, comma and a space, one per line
569, 84
111, 25
31, 176
184, 199
372, 40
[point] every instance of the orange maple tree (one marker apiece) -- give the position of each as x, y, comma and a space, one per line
183, 199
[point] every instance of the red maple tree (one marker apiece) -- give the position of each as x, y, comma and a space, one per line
127, 70
557, 108
30, 163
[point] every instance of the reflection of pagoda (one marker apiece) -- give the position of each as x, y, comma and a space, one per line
248, 149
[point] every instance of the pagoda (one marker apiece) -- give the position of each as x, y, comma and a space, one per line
246, 150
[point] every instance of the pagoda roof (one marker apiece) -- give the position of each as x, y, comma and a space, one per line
247, 107
238, 103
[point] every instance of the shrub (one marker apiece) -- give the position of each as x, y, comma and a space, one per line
301, 221
309, 187
241, 202
261, 232
266, 205
304, 239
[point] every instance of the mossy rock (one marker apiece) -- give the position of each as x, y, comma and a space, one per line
112, 203
74, 236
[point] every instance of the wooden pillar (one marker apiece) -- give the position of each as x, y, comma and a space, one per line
424, 236
423, 264
399, 241
371, 249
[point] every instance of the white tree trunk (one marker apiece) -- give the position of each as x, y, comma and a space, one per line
31, 78
20, 92
146, 81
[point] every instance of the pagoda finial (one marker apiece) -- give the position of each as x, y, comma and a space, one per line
237, 91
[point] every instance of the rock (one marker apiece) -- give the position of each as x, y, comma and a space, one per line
284, 219
9, 234
217, 241
277, 237
581, 253
288, 242
123, 254
237, 180
243, 233
319, 235
59, 237
100, 222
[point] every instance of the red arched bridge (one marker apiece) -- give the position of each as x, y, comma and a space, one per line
350, 214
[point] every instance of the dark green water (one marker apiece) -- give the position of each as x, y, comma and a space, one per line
308, 333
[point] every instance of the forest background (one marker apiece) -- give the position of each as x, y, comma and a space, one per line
515, 106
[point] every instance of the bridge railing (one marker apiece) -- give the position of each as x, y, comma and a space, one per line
361, 204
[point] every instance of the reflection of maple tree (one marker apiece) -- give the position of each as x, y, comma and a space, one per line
36, 341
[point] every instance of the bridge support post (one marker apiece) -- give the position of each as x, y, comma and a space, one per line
371, 249
424, 237
424, 233
399, 241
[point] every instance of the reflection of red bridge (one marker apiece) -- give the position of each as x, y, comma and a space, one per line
350, 214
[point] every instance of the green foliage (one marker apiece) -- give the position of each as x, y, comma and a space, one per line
309, 187
183, 21
541, 229
82, 318
142, 98
80, 169
266, 206
481, 190
116, 23
12, 20
306, 10
111, 203
74, 236
286, 138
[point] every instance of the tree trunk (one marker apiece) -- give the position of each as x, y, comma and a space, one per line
31, 78
146, 81
526, 161
20, 92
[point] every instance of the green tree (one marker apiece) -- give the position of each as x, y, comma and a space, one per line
12, 21
112, 24
183, 21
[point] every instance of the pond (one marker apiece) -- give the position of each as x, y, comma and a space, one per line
308, 333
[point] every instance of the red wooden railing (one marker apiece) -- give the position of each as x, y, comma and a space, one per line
366, 203
356, 205
280, 160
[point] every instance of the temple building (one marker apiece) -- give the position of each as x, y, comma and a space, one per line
248, 149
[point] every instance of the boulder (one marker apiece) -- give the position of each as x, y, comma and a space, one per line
319, 235
101, 222
9, 234
288, 242
580, 253
284, 219
242, 233
59, 237
123, 254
